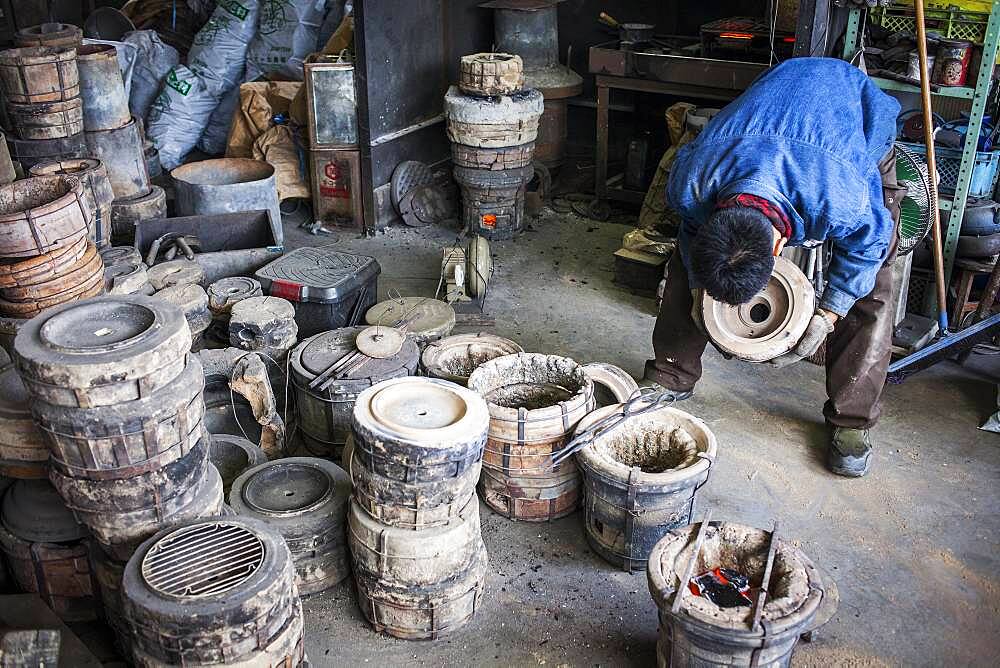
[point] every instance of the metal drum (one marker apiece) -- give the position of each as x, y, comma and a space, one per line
640, 480
227, 185
535, 402
326, 408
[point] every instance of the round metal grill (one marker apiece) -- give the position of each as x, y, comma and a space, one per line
202, 560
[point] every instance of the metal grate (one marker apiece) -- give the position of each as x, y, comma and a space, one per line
202, 560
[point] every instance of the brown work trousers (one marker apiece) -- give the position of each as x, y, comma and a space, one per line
857, 352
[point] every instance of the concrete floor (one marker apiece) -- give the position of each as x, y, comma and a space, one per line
913, 546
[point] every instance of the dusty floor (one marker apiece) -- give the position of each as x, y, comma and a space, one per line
913, 546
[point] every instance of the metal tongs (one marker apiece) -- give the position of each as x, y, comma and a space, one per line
173, 243
643, 400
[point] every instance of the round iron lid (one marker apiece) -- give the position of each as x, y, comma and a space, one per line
283, 488
408, 175
202, 560
97, 326
423, 205
379, 342
34, 511
322, 350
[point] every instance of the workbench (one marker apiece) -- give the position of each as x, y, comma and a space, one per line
681, 76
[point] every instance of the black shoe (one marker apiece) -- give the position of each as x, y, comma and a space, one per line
850, 452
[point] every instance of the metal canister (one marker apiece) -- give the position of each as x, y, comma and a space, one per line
951, 63
913, 66
101, 87
336, 186
333, 114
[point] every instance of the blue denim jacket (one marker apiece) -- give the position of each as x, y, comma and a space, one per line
808, 135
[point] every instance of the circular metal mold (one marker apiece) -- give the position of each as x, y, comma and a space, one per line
102, 350
232, 455
202, 560
423, 205
34, 511
770, 323
408, 175
417, 412
225, 292
315, 354
455, 357
287, 488
175, 272
97, 327
423, 319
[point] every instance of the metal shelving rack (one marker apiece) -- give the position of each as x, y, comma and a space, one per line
955, 205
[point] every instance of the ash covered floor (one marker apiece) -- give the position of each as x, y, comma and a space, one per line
913, 546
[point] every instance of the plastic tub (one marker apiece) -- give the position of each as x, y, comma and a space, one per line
330, 289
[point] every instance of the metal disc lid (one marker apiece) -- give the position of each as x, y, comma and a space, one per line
202, 560
34, 511
420, 317
316, 274
286, 488
316, 354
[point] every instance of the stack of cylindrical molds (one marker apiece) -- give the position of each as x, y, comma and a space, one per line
97, 192
47, 549
118, 398
212, 593
115, 138
305, 500
492, 124
41, 86
413, 525
47, 258
535, 401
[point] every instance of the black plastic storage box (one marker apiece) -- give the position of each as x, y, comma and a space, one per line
330, 289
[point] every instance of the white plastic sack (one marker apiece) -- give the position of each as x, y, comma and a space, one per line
179, 115
218, 53
153, 60
286, 33
213, 140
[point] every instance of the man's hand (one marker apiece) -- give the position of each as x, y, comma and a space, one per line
696, 296
820, 326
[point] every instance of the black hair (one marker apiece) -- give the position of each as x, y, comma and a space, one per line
731, 254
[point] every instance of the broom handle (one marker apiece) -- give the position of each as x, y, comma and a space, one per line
925, 96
